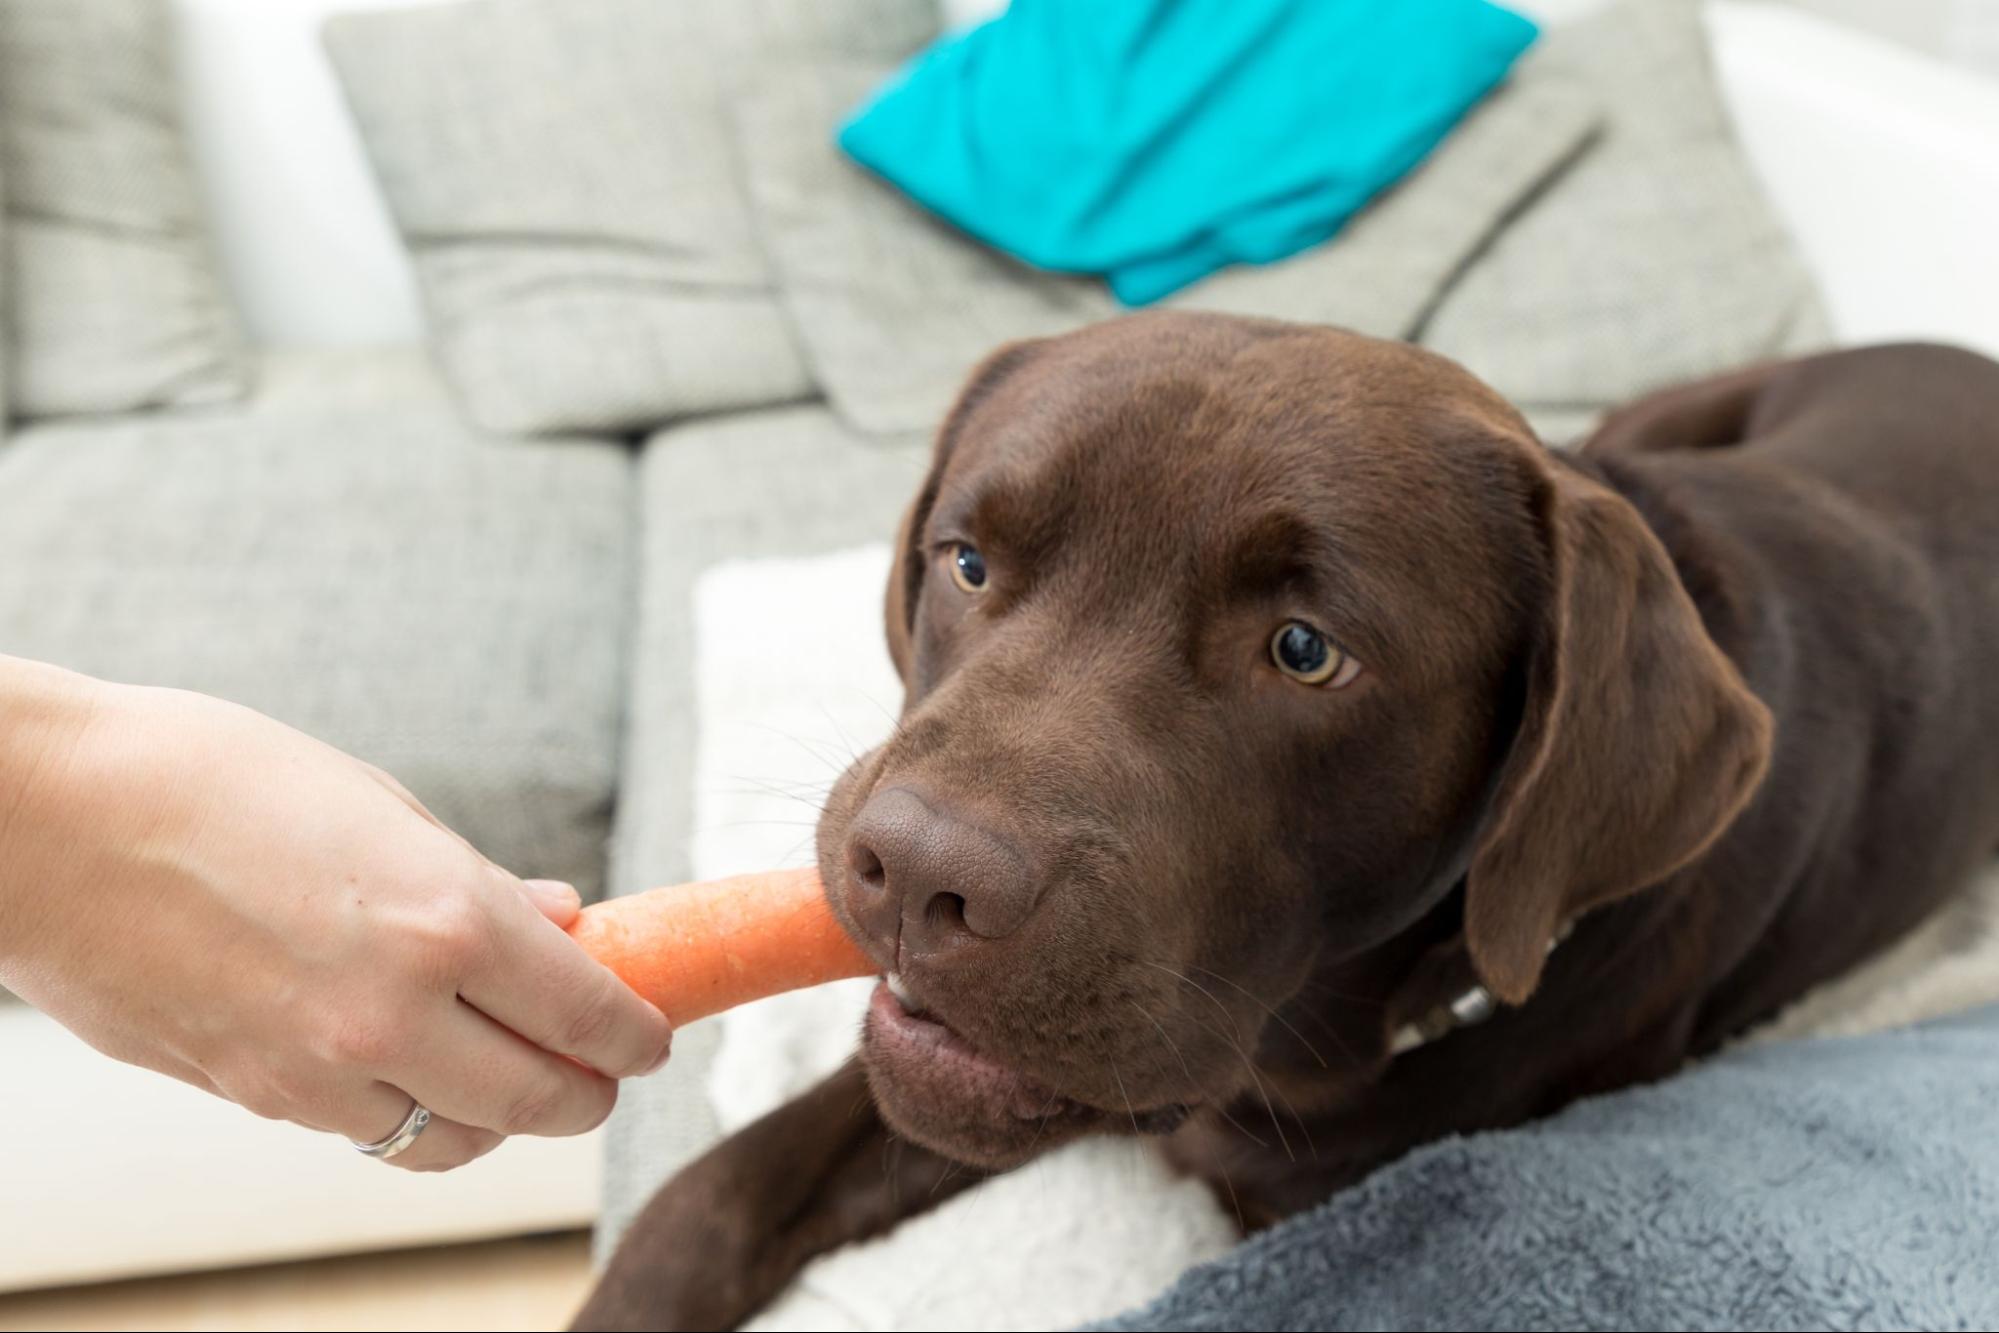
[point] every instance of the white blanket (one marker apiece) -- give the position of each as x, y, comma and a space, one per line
793, 681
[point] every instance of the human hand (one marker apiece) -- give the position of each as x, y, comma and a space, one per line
193, 887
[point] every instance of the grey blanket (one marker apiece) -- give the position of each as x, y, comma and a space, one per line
1840, 1183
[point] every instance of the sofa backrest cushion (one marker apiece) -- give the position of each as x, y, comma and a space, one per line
564, 176
6, 320
114, 299
1656, 258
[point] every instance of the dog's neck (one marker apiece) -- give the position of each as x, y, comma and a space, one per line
1467, 1007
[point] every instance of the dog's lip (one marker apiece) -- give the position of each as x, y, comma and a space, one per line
897, 1018
897, 1015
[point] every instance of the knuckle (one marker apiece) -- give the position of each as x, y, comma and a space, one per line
380, 775
532, 1110
455, 937
293, 1089
263, 1105
365, 1041
258, 1092
593, 1025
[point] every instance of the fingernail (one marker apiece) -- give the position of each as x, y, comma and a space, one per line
554, 892
660, 1063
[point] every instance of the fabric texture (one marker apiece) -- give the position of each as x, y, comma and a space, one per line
346, 556
1840, 1183
563, 174
115, 299
818, 487
1654, 259
894, 306
1159, 141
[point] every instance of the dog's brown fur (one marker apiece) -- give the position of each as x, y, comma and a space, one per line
1722, 691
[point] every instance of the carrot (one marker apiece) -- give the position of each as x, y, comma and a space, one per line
697, 949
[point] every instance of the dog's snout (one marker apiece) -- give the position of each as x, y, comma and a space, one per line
923, 880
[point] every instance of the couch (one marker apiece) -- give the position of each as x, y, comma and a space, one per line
496, 608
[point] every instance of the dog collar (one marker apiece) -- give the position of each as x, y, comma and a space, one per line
1467, 1008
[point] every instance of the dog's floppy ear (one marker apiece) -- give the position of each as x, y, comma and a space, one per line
1639, 742
905, 575
905, 580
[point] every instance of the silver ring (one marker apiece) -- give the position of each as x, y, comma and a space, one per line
404, 1136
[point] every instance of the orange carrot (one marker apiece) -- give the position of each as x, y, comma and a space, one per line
697, 949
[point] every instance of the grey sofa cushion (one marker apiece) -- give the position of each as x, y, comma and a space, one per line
115, 299
6, 320
790, 481
1654, 259
563, 174
895, 306
446, 605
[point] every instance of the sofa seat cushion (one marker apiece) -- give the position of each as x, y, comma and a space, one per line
345, 555
783, 482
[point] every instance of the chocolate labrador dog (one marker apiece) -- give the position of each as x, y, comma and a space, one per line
1300, 762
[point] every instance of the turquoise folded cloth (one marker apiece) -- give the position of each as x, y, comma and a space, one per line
1155, 141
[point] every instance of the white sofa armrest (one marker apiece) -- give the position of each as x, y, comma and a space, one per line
1883, 163
114, 1172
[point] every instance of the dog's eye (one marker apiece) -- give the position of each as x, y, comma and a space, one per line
968, 567
1305, 654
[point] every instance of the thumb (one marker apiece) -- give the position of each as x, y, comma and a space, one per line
555, 900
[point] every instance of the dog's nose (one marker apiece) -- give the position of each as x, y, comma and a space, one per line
932, 881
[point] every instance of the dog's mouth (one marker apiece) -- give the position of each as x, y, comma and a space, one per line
898, 1020
941, 1090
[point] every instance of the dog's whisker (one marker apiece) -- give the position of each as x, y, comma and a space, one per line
853, 750
1281, 1020
1128, 1109
1174, 1047
894, 719
814, 750
1228, 1183
1257, 1081
1161, 1028
1182, 976
1247, 1063
783, 780
1042, 1120
758, 823
785, 787
1275, 1123
1348, 997
1319, 1019
1304, 1129
808, 802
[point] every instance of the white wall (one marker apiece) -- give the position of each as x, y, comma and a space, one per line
305, 242
1965, 32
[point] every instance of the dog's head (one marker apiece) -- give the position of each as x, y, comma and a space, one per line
1232, 647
